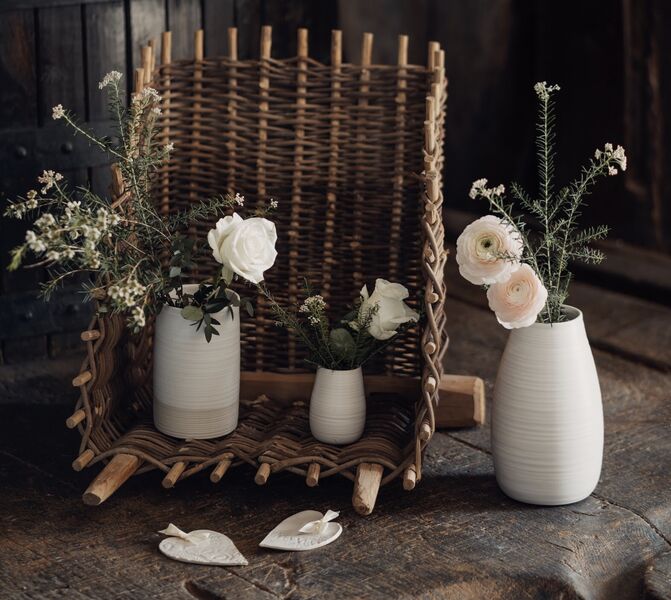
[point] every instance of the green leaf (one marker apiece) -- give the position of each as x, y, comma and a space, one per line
249, 307
175, 272
192, 313
342, 343
233, 297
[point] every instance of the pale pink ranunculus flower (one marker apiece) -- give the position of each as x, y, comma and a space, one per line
489, 251
518, 301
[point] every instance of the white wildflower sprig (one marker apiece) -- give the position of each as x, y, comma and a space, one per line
57, 112
479, 188
111, 78
49, 179
313, 307
543, 90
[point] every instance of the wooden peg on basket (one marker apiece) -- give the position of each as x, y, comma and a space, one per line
366, 487
111, 478
262, 474
220, 470
312, 477
174, 474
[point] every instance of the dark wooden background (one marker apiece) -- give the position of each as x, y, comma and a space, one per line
612, 59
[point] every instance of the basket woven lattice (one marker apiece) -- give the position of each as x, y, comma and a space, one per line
353, 154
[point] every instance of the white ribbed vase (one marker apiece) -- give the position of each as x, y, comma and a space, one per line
196, 383
547, 419
338, 406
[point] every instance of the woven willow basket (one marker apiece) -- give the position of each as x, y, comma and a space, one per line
353, 154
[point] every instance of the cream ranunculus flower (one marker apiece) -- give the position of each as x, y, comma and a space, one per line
245, 247
481, 249
518, 301
391, 310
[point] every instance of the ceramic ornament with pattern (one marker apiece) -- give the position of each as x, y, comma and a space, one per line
305, 530
202, 547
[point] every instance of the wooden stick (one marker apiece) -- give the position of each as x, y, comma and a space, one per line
461, 401
312, 478
399, 160
111, 478
410, 478
82, 460
296, 181
232, 108
433, 48
146, 64
264, 86
82, 378
334, 147
90, 335
138, 82
75, 419
196, 120
173, 474
366, 487
262, 474
220, 470
166, 58
359, 179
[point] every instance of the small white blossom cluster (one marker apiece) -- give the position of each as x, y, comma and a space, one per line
110, 78
18, 210
273, 204
126, 293
49, 179
239, 199
54, 236
57, 112
137, 317
314, 307
617, 155
169, 147
479, 188
543, 90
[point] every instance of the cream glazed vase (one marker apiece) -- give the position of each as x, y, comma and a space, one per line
196, 383
547, 419
338, 406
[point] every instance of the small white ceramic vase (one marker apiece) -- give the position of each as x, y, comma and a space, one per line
547, 418
196, 383
338, 406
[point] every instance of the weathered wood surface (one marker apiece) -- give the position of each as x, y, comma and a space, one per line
454, 536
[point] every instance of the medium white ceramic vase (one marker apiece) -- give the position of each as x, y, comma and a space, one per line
338, 406
196, 383
547, 419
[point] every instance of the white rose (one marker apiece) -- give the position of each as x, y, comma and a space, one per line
244, 247
518, 301
216, 236
391, 312
481, 247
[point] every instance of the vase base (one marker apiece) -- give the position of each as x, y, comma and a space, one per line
558, 499
191, 424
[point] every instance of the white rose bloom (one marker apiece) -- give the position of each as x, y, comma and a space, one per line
216, 236
244, 247
518, 301
481, 246
391, 312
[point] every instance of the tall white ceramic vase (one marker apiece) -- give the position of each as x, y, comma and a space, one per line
547, 420
338, 406
196, 383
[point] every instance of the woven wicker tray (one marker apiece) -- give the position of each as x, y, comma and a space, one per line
354, 155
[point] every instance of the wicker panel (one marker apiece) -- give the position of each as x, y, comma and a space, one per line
353, 155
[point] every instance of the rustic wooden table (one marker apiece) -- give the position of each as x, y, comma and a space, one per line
455, 536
